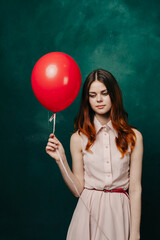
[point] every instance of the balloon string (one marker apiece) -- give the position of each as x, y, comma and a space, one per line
54, 123
80, 197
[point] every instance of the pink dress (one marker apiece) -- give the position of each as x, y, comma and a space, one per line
107, 216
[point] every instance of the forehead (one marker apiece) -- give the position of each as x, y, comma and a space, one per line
97, 86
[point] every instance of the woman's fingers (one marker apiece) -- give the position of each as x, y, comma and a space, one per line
53, 141
49, 148
52, 145
52, 136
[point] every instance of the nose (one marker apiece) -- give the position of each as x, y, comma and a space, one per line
99, 98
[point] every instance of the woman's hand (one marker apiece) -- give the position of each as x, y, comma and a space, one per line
53, 145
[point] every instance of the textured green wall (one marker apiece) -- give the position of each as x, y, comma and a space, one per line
122, 36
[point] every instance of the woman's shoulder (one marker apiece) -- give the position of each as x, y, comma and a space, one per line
75, 140
76, 136
138, 134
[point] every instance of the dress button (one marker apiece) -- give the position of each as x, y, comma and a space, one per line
106, 146
107, 161
108, 175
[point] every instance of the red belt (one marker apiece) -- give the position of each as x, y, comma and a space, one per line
119, 190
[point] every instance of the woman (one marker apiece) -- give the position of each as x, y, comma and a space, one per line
107, 157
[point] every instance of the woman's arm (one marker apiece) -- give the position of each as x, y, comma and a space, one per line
135, 188
77, 174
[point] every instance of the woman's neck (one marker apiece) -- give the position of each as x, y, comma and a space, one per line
103, 119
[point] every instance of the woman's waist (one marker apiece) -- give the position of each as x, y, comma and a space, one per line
112, 190
107, 189
106, 184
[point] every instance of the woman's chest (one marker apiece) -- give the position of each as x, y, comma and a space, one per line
105, 154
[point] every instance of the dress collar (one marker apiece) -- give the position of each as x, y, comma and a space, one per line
108, 126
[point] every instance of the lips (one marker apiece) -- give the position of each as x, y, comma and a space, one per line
100, 106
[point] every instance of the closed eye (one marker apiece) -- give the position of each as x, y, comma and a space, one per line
103, 93
91, 95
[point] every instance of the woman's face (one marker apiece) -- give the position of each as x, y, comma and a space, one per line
99, 98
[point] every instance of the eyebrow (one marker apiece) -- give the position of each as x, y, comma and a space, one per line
101, 91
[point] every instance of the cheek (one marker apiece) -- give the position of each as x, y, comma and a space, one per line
91, 102
109, 100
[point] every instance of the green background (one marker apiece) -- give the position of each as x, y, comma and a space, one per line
121, 36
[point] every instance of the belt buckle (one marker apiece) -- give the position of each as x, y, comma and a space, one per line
111, 190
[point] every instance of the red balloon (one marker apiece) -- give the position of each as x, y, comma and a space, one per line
56, 81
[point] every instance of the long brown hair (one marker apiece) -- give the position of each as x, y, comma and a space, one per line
119, 117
